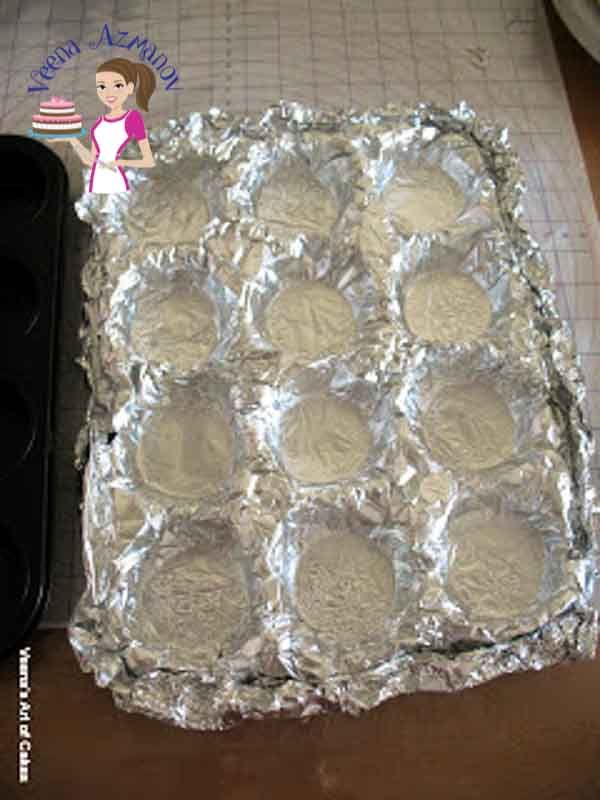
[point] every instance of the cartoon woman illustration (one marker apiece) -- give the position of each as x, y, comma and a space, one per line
116, 80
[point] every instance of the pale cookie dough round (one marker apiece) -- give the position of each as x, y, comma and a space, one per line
178, 329
423, 200
199, 602
295, 199
309, 320
496, 566
469, 427
186, 453
325, 439
344, 587
447, 307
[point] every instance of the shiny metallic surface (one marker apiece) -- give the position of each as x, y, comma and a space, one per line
336, 448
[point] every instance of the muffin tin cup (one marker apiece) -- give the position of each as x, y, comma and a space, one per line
15, 583
20, 299
18, 424
28, 172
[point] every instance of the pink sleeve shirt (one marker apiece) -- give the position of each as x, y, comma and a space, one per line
134, 125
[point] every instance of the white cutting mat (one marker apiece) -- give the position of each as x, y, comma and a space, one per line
244, 54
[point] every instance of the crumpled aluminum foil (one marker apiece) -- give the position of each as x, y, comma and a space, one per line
336, 448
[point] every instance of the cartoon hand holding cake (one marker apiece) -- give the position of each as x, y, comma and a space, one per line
116, 80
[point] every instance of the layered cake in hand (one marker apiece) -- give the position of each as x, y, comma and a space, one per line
57, 115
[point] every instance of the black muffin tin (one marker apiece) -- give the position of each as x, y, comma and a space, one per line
33, 201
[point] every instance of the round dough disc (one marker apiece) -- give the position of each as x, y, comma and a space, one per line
295, 199
175, 216
423, 199
496, 566
469, 427
325, 439
178, 328
447, 307
200, 601
186, 452
310, 320
344, 587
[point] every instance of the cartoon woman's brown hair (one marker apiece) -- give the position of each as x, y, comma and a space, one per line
116, 80
134, 72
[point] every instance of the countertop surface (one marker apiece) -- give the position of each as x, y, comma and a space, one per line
533, 736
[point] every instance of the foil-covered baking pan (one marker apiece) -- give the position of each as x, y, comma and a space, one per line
336, 448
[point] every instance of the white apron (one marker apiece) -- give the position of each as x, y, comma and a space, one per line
110, 137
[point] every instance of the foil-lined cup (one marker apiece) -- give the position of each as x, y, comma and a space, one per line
152, 219
301, 185
325, 427
171, 314
442, 296
507, 565
347, 591
179, 445
187, 603
473, 412
302, 310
